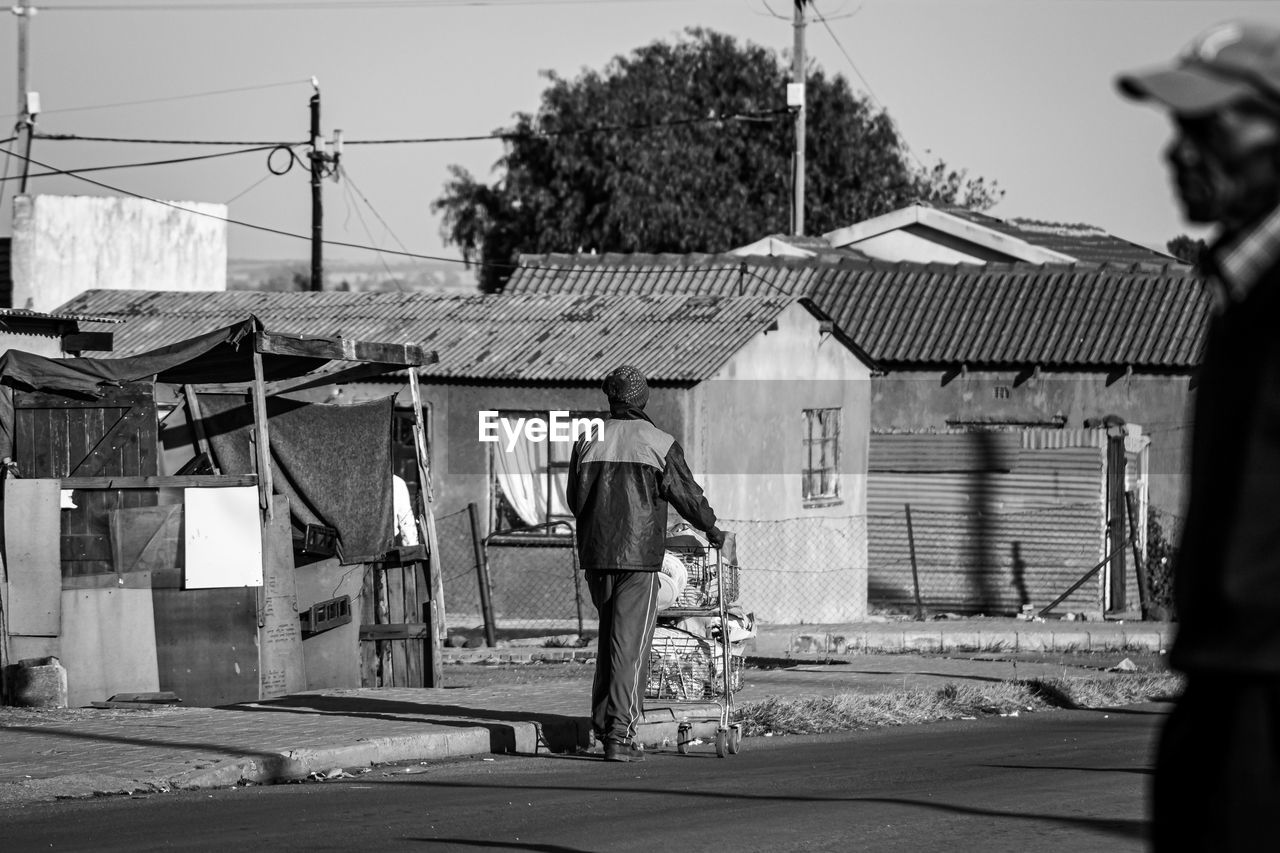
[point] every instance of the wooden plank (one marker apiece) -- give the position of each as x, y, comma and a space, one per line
120, 397
54, 458
413, 650
394, 579
280, 637
433, 672
195, 417
386, 675
25, 440
343, 349
32, 529
206, 645
328, 377
85, 546
368, 651
395, 631
195, 481
118, 449
262, 438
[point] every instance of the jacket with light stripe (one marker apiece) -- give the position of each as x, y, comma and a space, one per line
619, 489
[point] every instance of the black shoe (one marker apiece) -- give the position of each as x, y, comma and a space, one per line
622, 751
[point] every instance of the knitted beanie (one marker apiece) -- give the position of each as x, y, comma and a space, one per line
626, 384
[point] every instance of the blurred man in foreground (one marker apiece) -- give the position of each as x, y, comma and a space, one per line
1217, 784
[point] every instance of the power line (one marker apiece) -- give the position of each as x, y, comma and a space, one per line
280, 232
347, 175
165, 99
296, 5
192, 159
762, 116
262, 143
866, 85
353, 205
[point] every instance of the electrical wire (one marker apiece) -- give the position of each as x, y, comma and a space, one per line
866, 85
347, 175
72, 137
295, 5
353, 206
280, 232
763, 116
149, 163
253, 186
88, 107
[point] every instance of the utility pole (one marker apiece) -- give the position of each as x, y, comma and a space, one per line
796, 101
27, 101
323, 163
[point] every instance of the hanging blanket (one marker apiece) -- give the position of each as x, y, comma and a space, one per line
333, 463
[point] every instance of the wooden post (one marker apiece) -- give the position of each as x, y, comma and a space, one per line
1115, 521
196, 417
435, 613
1139, 565
482, 575
262, 438
261, 435
915, 571
382, 614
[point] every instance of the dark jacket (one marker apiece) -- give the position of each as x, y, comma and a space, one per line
619, 488
1228, 566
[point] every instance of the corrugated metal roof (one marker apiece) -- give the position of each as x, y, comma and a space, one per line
911, 315
1085, 243
528, 337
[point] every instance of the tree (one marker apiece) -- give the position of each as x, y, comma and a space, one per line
685, 147
1187, 250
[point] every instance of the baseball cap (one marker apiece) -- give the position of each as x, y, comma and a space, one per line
1227, 63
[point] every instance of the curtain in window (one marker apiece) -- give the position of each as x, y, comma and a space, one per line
523, 476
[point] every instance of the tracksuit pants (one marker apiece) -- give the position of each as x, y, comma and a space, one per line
627, 603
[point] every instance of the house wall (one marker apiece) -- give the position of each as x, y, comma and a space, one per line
920, 401
902, 245
800, 563
63, 245
49, 346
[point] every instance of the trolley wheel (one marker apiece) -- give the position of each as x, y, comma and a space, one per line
684, 734
722, 742
735, 739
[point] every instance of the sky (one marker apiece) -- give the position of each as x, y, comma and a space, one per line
1017, 91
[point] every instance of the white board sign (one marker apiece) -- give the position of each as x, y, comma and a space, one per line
223, 540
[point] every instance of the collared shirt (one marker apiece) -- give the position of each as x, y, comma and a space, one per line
1236, 264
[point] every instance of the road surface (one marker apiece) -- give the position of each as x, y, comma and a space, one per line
1060, 780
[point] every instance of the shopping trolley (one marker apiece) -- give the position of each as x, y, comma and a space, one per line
687, 667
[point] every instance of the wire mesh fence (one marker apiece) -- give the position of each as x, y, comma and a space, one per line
533, 582
793, 570
796, 570
831, 569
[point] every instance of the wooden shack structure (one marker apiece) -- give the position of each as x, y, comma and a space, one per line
175, 521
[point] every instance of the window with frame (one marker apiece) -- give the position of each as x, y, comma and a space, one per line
820, 480
529, 481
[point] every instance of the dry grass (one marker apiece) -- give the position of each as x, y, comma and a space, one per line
850, 711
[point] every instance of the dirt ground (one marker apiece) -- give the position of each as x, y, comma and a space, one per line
485, 675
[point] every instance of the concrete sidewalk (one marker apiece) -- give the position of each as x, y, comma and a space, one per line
81, 752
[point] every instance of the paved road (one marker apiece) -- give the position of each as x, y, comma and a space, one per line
1070, 781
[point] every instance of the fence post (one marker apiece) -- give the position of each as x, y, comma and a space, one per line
482, 575
1139, 565
915, 572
